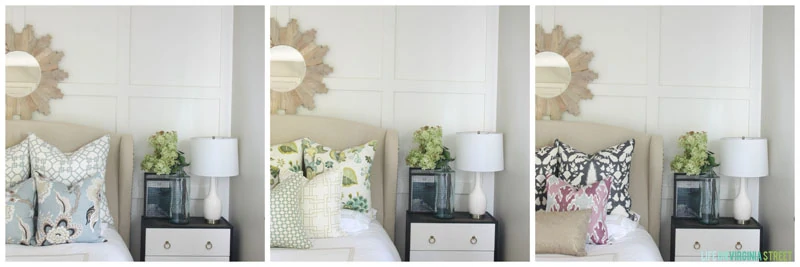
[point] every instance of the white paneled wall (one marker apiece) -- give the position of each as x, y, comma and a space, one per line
406, 67
669, 70
138, 70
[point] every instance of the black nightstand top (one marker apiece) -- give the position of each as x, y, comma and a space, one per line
458, 217
724, 223
194, 222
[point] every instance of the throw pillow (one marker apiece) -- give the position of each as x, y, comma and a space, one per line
286, 219
546, 165
72, 168
283, 158
68, 213
562, 196
562, 232
20, 202
18, 163
320, 202
579, 168
356, 164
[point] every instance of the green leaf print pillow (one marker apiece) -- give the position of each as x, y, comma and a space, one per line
285, 158
356, 164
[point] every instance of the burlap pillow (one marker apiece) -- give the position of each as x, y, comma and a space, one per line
562, 232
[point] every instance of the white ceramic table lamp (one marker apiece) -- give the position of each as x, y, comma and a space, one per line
214, 157
479, 152
743, 157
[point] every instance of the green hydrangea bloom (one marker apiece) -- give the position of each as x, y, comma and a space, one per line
430, 153
166, 159
696, 158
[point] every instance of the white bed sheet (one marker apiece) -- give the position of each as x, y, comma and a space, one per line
113, 250
372, 244
635, 246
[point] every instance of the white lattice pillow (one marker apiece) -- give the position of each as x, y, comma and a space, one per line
321, 205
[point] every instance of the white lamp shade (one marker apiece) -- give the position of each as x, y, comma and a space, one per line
215, 156
479, 151
743, 157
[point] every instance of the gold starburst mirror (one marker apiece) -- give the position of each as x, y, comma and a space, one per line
296, 67
32, 73
562, 73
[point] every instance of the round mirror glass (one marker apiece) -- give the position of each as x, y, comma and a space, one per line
22, 74
287, 68
552, 74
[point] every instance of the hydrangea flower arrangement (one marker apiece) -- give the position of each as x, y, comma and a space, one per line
696, 158
166, 159
430, 153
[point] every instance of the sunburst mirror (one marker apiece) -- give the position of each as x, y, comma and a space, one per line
32, 73
296, 67
562, 73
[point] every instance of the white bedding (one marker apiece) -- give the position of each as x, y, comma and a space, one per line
113, 250
372, 244
635, 246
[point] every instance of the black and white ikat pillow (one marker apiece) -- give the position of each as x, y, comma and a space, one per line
545, 166
580, 169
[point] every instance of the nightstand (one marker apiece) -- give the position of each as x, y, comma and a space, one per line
195, 241
693, 241
458, 239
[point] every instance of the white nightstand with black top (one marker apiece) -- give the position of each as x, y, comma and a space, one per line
195, 241
693, 241
458, 239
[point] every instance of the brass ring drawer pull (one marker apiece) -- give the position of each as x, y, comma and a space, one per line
696, 245
473, 240
209, 245
738, 246
167, 245
431, 240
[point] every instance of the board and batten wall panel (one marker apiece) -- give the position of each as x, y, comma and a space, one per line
406, 67
138, 70
670, 70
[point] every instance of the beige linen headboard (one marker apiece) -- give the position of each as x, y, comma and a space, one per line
340, 134
646, 167
70, 137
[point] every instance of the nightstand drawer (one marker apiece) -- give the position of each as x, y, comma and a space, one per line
187, 242
452, 236
451, 256
181, 258
691, 242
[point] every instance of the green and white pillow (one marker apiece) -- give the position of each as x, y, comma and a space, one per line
286, 219
20, 202
68, 214
356, 164
320, 203
72, 168
283, 158
18, 163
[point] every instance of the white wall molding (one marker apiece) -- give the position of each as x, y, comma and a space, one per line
103, 95
420, 76
715, 90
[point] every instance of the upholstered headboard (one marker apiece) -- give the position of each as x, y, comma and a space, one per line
646, 167
70, 137
340, 134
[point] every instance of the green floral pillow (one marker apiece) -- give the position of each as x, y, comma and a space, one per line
285, 158
68, 214
356, 164
20, 201
285, 216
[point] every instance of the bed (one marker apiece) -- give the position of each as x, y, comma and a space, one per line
376, 243
645, 185
118, 179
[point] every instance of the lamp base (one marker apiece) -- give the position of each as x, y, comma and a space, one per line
742, 221
209, 221
477, 199
476, 216
212, 206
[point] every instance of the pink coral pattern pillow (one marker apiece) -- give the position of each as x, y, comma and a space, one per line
562, 196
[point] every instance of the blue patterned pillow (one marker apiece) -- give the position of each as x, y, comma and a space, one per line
68, 214
20, 201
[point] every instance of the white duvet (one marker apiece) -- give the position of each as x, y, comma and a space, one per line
372, 244
634, 246
113, 250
